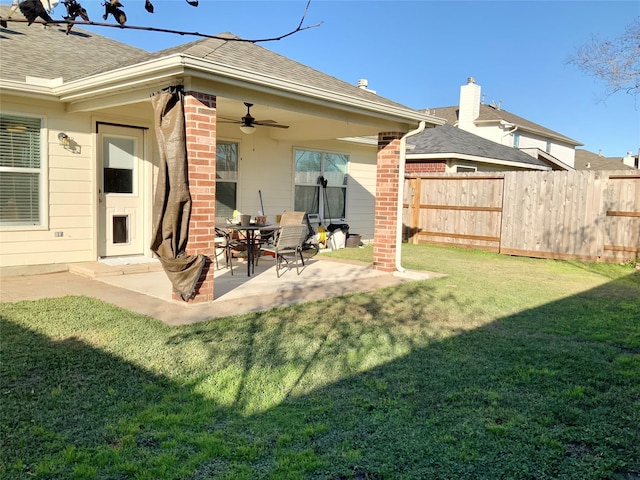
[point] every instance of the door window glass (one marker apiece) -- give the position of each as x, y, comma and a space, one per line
119, 161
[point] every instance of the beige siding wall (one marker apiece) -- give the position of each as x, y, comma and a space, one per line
362, 191
71, 199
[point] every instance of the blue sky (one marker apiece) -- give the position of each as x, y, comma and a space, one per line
419, 53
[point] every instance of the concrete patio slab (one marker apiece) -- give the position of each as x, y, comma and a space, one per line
149, 291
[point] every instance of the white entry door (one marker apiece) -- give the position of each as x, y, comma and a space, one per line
120, 185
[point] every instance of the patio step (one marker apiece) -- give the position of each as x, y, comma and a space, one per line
100, 269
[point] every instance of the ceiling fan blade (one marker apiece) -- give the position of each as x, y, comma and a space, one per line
268, 123
249, 121
222, 119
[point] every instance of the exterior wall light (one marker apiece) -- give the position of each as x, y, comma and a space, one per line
63, 139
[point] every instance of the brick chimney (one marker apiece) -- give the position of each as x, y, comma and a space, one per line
469, 105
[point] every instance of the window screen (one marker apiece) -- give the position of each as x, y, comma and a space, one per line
20, 170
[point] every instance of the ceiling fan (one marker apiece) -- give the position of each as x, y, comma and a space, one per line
248, 123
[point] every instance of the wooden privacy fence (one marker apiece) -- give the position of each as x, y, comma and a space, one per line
584, 215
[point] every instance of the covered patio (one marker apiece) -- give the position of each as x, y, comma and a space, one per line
301, 117
106, 147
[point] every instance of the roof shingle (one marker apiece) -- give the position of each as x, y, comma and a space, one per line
89, 54
36, 50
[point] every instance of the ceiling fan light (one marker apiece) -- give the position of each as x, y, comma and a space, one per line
248, 129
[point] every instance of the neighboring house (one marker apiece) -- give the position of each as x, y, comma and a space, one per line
79, 156
449, 149
586, 160
503, 127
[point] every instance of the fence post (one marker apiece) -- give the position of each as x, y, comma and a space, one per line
416, 189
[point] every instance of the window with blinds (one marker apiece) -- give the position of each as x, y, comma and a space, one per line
20, 170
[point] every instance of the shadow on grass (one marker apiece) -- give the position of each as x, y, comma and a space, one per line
365, 387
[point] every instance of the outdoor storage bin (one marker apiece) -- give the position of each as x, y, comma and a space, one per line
353, 240
337, 235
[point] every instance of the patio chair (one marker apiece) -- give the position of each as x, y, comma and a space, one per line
289, 242
287, 218
292, 218
224, 243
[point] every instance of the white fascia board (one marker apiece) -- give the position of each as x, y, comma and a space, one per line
558, 137
369, 141
113, 81
473, 158
151, 72
544, 134
550, 158
22, 89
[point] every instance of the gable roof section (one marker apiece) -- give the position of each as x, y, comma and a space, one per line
232, 51
84, 52
489, 114
105, 60
586, 160
447, 140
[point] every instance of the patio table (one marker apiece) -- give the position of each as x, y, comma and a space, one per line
249, 240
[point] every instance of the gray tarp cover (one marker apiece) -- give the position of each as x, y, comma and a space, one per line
172, 202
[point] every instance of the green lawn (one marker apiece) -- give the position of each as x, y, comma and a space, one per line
509, 368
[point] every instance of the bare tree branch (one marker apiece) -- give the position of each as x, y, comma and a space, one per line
614, 62
299, 28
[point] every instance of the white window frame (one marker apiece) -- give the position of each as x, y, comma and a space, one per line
516, 140
236, 181
470, 168
321, 203
134, 168
43, 177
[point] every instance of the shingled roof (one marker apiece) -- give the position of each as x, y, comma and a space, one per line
489, 113
586, 160
87, 54
37, 51
451, 141
231, 50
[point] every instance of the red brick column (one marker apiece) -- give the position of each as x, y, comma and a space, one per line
425, 167
200, 126
386, 210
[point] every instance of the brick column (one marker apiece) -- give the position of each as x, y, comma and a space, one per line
417, 168
200, 126
386, 209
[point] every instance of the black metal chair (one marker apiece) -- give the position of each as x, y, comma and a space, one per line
224, 242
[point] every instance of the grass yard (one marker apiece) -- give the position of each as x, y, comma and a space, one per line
509, 368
